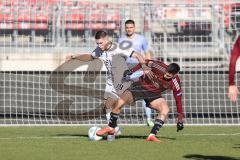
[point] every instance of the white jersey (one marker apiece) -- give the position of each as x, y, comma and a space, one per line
115, 62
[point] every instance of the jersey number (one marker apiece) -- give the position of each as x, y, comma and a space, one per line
119, 87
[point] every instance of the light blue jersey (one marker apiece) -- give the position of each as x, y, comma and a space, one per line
139, 44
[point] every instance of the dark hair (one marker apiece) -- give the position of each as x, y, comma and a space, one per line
130, 22
173, 68
100, 34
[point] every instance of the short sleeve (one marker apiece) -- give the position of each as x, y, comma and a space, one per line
145, 46
96, 53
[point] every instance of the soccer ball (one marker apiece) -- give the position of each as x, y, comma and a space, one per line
92, 134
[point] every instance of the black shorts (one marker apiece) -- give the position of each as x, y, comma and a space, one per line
139, 92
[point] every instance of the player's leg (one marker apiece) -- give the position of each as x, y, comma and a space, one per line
148, 113
110, 99
161, 106
109, 102
125, 98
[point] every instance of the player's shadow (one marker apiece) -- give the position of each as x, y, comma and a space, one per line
206, 157
117, 137
72, 135
237, 146
141, 137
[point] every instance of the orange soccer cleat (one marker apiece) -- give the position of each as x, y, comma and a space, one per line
106, 130
153, 138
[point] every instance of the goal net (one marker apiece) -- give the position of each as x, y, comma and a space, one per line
38, 87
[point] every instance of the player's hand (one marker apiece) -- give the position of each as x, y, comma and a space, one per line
180, 125
68, 58
147, 71
126, 76
127, 73
233, 93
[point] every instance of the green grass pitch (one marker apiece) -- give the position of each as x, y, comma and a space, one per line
71, 143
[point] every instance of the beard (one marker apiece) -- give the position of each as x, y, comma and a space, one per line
130, 34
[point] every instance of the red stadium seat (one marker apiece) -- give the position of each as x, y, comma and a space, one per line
111, 26
24, 26
96, 17
74, 17
41, 18
114, 17
6, 18
68, 2
24, 18
39, 26
84, 4
95, 26
74, 26
6, 26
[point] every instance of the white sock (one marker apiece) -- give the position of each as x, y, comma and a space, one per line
147, 110
108, 111
151, 134
108, 116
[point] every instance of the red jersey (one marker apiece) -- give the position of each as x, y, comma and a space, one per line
159, 84
233, 59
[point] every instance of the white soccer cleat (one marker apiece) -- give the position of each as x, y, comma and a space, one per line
110, 137
117, 131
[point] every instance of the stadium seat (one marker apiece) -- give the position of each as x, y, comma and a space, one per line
74, 17
74, 26
6, 26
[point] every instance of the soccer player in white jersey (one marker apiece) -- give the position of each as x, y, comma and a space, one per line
140, 45
107, 52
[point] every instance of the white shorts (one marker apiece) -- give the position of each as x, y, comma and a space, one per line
114, 91
115, 87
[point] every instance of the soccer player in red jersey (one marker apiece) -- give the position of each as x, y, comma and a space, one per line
150, 89
233, 90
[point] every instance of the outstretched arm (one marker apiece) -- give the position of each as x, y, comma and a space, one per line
81, 57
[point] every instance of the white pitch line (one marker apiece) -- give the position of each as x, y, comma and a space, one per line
208, 134
65, 137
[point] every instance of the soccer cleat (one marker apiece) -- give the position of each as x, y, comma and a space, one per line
117, 131
110, 138
106, 130
153, 138
150, 123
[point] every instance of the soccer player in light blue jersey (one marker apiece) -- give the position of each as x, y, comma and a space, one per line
140, 45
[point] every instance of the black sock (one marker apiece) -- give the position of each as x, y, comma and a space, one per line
157, 125
113, 120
